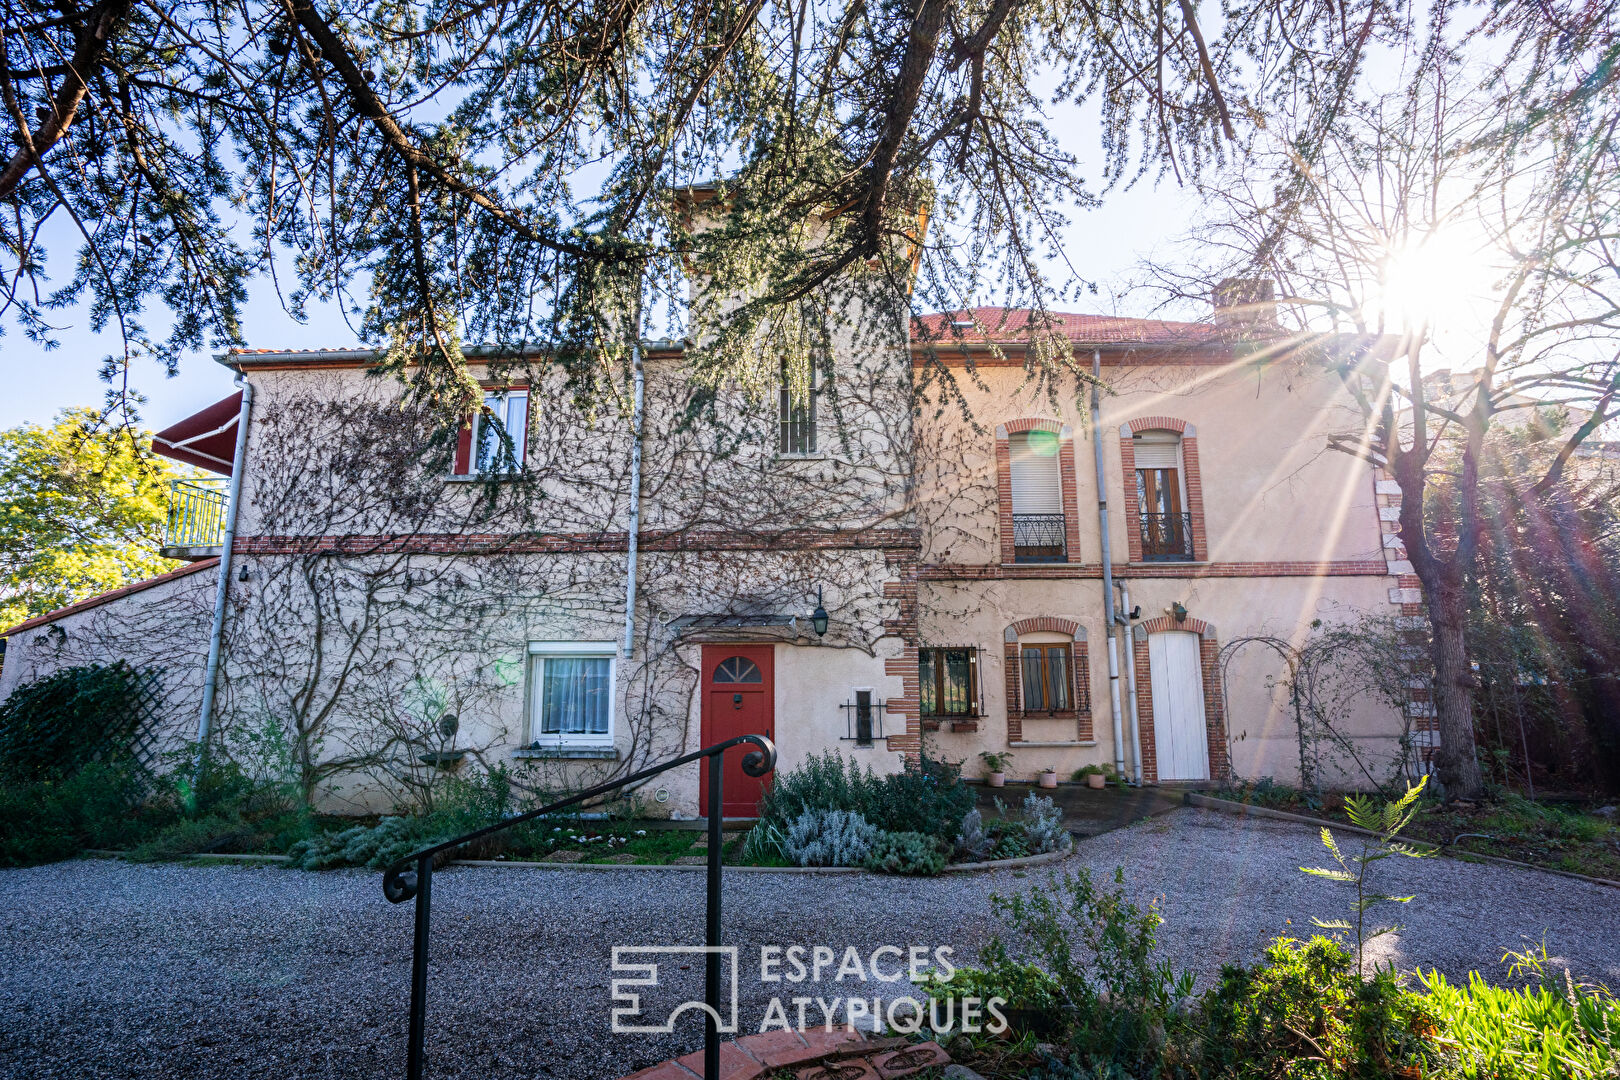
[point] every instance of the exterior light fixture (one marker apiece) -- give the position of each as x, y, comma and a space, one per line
243, 576
1178, 611
818, 618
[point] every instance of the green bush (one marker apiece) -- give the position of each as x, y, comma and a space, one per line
100, 806
1305, 1013
928, 796
52, 727
1557, 1028
375, 846
906, 853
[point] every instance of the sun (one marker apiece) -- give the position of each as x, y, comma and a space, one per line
1438, 281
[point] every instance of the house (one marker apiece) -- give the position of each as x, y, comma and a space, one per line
861, 569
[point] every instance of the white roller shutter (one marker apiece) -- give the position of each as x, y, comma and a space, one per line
1158, 450
1037, 486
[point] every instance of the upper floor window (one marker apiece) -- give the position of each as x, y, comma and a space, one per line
505, 412
1161, 498
796, 420
1037, 497
948, 682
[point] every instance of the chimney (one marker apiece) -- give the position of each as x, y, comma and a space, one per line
1245, 302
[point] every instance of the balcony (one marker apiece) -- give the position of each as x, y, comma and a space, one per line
1167, 538
1038, 538
196, 525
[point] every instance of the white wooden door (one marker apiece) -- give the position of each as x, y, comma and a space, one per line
1179, 739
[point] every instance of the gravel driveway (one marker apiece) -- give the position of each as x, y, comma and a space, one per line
113, 970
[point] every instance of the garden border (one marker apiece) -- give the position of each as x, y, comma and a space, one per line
1450, 851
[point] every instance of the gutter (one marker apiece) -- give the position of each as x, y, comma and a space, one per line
1107, 561
633, 533
205, 716
1130, 675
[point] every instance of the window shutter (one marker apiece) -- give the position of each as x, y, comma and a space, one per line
464, 446
1158, 450
1037, 486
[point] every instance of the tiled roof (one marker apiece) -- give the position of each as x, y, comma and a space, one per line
1012, 325
109, 596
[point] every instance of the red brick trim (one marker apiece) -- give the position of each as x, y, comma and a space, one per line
1192, 475
109, 596
1209, 650
549, 543
991, 572
1080, 674
1066, 479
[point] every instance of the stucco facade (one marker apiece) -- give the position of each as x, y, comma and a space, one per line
378, 587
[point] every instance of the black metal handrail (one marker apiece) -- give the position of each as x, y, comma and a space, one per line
400, 883
1167, 538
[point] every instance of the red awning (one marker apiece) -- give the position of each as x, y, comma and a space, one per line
205, 439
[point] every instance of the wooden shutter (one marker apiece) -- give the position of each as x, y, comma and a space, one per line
464, 435
1037, 486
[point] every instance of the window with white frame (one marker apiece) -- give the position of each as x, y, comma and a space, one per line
571, 693
505, 412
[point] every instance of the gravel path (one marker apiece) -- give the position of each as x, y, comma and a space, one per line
113, 970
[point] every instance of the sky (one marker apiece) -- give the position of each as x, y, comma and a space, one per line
1106, 245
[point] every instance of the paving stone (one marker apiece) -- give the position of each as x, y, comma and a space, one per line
832, 1040
911, 1059
774, 1049
564, 856
843, 1069
735, 1064
664, 1070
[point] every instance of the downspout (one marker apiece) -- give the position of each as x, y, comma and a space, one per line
1107, 561
1130, 676
633, 535
222, 586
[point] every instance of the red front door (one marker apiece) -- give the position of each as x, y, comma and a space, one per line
738, 699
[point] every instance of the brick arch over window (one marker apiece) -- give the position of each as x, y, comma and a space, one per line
1209, 651
1066, 476
1012, 667
1193, 478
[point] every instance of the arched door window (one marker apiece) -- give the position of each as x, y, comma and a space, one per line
737, 669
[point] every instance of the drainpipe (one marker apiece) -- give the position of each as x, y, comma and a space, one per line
1107, 561
633, 537
1130, 675
205, 717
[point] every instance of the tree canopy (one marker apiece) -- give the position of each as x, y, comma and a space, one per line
523, 174
81, 511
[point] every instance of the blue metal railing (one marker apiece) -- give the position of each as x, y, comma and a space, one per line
196, 513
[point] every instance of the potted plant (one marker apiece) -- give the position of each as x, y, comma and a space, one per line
1049, 777
995, 767
1094, 776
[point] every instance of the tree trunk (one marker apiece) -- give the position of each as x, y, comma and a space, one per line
1455, 759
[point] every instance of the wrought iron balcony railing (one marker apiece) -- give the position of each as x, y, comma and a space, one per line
196, 517
1167, 538
1038, 538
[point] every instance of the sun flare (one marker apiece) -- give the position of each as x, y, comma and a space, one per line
1438, 281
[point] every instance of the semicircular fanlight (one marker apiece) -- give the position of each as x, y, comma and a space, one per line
737, 669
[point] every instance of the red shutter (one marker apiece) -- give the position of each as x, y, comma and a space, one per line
464, 446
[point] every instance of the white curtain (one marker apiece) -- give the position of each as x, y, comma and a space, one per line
575, 694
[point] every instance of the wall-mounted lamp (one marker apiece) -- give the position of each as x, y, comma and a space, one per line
818, 617
243, 575
1136, 612
1178, 612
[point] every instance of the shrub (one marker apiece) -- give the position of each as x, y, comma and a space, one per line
99, 806
52, 727
1043, 824
1306, 1013
928, 796
829, 838
974, 843
906, 853
375, 846
1556, 1028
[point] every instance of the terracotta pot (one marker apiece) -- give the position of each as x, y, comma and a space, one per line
1096, 780
1049, 779
996, 779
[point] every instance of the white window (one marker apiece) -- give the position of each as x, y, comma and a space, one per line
796, 420
508, 411
571, 693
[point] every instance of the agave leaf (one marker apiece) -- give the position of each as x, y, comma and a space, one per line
1332, 924
1331, 875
